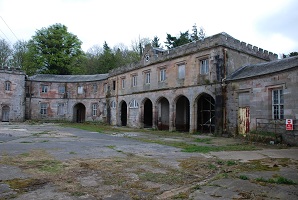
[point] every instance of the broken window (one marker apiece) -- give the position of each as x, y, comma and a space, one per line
204, 66
7, 86
277, 104
114, 85
43, 108
44, 88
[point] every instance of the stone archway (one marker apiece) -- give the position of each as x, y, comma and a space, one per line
206, 114
79, 113
163, 112
123, 113
182, 114
148, 114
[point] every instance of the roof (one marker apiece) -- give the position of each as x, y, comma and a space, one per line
67, 78
260, 69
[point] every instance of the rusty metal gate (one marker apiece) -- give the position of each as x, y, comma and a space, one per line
243, 120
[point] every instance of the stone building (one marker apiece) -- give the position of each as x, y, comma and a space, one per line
12, 94
182, 88
262, 96
66, 97
198, 87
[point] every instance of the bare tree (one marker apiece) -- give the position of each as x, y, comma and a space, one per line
5, 53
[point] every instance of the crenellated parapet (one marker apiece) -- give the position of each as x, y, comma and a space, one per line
14, 70
218, 40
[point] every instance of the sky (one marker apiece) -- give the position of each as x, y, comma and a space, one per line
268, 24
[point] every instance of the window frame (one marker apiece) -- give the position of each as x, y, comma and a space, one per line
123, 83
181, 71
147, 77
204, 66
162, 75
94, 109
134, 80
43, 108
277, 103
133, 104
7, 86
80, 89
59, 89
44, 89
60, 109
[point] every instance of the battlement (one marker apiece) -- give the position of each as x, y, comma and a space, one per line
14, 70
221, 39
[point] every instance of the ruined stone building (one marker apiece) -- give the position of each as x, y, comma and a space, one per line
203, 86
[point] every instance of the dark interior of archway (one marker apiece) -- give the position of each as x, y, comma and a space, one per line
206, 114
182, 114
123, 114
80, 112
148, 114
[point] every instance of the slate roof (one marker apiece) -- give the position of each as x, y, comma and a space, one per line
67, 78
249, 71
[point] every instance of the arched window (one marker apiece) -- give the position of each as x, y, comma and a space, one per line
7, 85
113, 104
133, 104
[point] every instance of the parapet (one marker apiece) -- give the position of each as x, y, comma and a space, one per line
9, 69
221, 39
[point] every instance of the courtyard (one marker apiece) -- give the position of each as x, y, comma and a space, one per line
91, 161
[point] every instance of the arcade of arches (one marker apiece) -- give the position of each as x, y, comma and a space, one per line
180, 115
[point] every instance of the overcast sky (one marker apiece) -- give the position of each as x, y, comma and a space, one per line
268, 24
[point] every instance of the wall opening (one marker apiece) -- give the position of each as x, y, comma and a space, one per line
123, 113
206, 114
182, 114
163, 114
79, 113
148, 114
5, 113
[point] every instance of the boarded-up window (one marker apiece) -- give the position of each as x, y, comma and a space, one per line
80, 90
243, 99
181, 71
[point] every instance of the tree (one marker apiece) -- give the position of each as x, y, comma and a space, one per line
54, 50
20, 49
173, 42
5, 53
155, 42
139, 45
290, 55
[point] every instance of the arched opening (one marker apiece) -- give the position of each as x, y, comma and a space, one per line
163, 114
148, 114
79, 113
123, 113
182, 114
5, 113
206, 114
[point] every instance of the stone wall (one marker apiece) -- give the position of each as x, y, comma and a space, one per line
12, 99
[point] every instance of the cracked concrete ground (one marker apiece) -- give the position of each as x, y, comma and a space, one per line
47, 161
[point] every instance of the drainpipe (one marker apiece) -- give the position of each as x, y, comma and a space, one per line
224, 91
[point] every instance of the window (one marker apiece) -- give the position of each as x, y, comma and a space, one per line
43, 108
277, 104
94, 109
123, 83
204, 66
80, 89
134, 81
114, 85
134, 104
94, 88
181, 71
44, 88
105, 87
162, 74
147, 78
61, 89
60, 110
7, 86
113, 104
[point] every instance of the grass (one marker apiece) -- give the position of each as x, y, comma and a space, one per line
243, 177
41, 133
204, 140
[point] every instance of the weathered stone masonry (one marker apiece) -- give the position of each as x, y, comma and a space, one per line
191, 88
